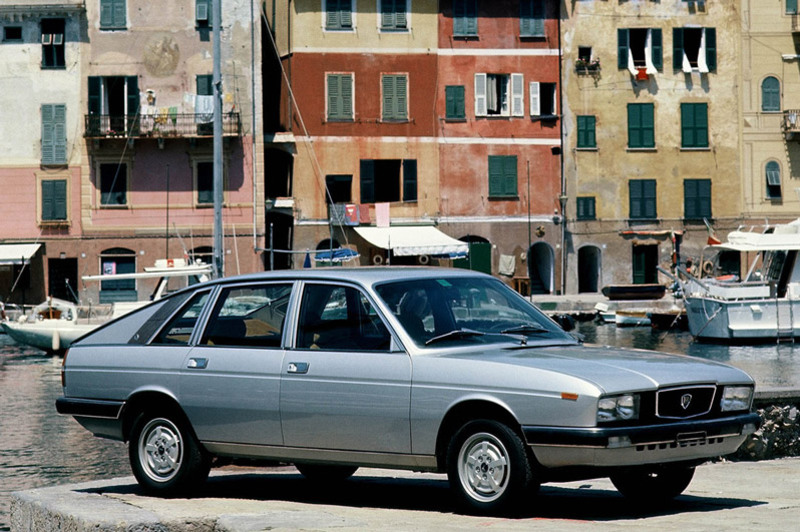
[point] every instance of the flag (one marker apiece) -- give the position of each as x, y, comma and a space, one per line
712, 235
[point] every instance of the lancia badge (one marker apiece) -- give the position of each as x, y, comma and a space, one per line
686, 400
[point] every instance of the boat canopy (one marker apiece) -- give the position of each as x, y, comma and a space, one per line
786, 237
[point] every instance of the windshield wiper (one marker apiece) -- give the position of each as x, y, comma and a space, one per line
525, 329
455, 333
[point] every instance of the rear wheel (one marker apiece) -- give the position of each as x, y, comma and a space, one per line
488, 466
653, 485
165, 457
326, 473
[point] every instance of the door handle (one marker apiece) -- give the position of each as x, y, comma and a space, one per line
297, 367
197, 363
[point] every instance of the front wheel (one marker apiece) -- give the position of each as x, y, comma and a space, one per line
653, 485
165, 457
488, 466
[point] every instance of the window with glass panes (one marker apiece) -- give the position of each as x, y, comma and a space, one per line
773, 171
770, 94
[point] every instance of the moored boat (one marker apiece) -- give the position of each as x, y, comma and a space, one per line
619, 292
631, 318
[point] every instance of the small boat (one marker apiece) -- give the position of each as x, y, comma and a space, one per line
668, 319
620, 292
54, 324
631, 318
758, 302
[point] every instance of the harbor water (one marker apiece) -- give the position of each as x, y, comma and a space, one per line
40, 448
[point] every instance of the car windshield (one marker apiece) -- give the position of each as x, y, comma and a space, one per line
465, 310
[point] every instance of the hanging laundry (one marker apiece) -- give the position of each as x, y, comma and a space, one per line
203, 109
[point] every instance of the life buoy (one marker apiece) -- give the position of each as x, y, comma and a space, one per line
424, 260
708, 267
377, 260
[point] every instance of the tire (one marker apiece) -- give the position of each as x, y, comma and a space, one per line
488, 467
326, 473
165, 457
653, 485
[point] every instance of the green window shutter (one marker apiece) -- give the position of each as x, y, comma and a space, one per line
54, 200
409, 180
704, 197
119, 14
48, 201
657, 48
635, 198
649, 198
367, 181
770, 94
711, 49
334, 96
205, 85
495, 176
690, 205
112, 14
531, 18
454, 102
694, 125
346, 88
54, 134
393, 14
791, 7
677, 48
642, 198
394, 97
48, 135
641, 128
95, 103
502, 176
622, 48
133, 95
464, 18
510, 175
586, 208
345, 14
648, 126
586, 132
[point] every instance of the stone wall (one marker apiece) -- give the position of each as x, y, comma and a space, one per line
778, 437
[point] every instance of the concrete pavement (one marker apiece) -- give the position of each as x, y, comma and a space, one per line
723, 496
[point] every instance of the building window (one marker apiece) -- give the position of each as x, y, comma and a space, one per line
694, 49
502, 176
115, 261
770, 94
54, 134
455, 108
395, 96
694, 125
203, 13
112, 15
640, 48
338, 188
500, 95
543, 99
465, 18
12, 33
531, 18
696, 199
113, 184
338, 14
586, 131
394, 15
791, 7
388, 180
53, 43
773, 171
54, 200
642, 193
586, 208
205, 183
113, 105
340, 97
641, 126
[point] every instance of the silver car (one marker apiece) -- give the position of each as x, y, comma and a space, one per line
424, 369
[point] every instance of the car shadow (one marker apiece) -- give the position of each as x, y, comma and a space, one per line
427, 494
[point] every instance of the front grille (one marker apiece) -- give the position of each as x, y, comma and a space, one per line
685, 402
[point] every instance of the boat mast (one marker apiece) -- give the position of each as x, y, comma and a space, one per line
219, 269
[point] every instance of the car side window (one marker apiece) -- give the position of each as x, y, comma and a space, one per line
248, 316
179, 329
339, 318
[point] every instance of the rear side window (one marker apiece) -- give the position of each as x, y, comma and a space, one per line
179, 329
251, 316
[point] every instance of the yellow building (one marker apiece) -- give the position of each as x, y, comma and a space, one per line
651, 135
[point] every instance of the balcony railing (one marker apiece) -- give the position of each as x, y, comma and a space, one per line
159, 126
791, 120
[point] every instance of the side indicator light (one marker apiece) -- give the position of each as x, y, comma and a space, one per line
569, 396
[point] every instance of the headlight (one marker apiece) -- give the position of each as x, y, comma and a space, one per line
618, 408
736, 398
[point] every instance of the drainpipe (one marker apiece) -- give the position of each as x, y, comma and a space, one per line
563, 196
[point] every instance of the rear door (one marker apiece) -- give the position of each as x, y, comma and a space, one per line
230, 382
342, 386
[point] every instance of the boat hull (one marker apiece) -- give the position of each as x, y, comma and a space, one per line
743, 321
620, 292
47, 336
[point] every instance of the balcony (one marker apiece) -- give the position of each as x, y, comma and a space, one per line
158, 126
795, 23
791, 122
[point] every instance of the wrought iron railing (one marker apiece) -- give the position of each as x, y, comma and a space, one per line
159, 125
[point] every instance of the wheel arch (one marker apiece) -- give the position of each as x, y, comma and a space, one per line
470, 410
145, 400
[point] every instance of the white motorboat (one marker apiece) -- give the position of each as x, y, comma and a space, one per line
631, 318
55, 324
761, 304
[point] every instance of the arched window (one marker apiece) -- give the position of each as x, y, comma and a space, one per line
773, 174
771, 94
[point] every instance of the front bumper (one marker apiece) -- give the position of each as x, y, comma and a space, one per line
639, 445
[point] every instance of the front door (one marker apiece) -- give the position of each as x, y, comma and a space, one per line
342, 388
645, 261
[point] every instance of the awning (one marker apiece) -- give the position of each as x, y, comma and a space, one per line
17, 253
412, 240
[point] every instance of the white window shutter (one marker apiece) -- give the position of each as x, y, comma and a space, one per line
535, 100
480, 94
517, 95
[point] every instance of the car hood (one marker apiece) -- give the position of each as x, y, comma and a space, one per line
614, 369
